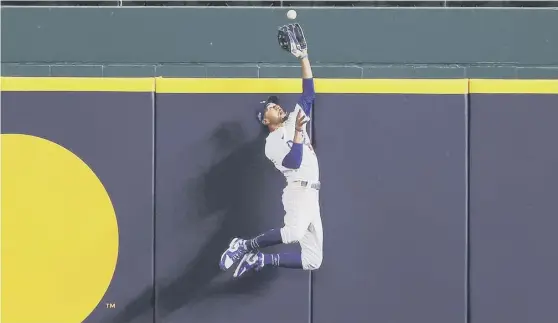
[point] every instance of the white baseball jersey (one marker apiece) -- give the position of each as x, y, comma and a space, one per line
279, 143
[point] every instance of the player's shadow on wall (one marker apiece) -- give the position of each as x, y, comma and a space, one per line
235, 190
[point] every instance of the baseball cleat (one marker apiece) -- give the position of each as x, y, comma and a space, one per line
250, 261
233, 254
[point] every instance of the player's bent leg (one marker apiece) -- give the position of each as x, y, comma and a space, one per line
238, 248
256, 261
312, 246
310, 257
297, 222
253, 260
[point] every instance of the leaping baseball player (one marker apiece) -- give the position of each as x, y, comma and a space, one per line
288, 147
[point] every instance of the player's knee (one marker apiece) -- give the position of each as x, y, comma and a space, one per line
311, 261
312, 264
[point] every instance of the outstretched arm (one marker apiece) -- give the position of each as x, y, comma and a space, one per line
293, 159
308, 94
306, 68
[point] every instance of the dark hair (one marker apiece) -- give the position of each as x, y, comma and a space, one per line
260, 114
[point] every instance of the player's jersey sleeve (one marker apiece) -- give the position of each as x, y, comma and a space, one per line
306, 100
276, 149
304, 103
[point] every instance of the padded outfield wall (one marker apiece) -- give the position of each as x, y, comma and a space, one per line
118, 196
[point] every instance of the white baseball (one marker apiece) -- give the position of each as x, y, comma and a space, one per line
291, 14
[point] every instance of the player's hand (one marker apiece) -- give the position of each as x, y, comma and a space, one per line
300, 54
300, 121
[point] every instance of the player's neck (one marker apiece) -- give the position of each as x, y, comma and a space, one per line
275, 127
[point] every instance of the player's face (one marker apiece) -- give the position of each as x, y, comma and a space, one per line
274, 114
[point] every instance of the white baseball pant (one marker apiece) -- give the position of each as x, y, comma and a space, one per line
303, 223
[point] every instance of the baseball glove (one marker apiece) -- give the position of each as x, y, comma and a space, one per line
291, 39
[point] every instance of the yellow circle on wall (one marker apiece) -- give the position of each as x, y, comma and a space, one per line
59, 233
